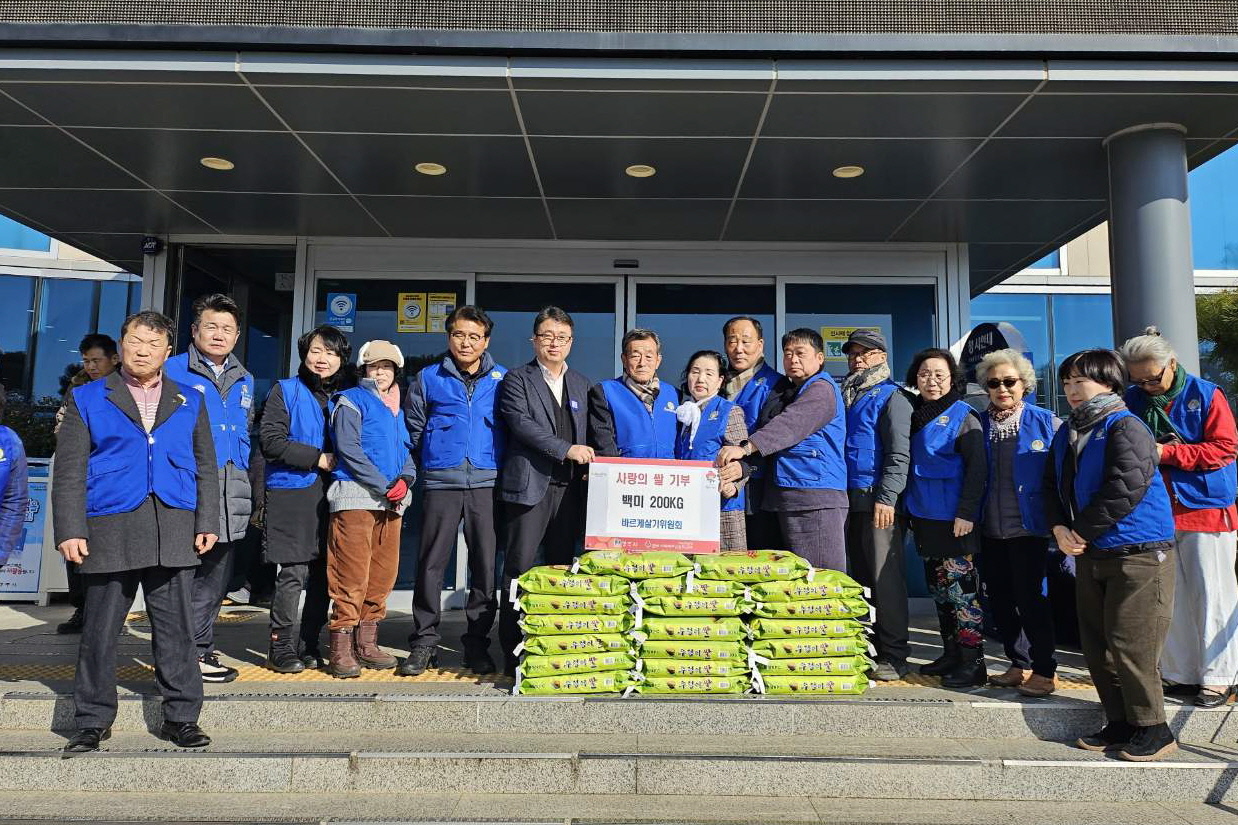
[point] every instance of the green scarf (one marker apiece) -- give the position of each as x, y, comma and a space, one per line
1155, 414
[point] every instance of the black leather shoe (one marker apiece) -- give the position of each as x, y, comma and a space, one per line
86, 740
184, 734
420, 658
478, 660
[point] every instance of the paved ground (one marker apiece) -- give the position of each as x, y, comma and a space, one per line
32, 654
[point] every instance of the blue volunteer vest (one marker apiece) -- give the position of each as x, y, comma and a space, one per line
1031, 454
1151, 520
306, 425
817, 462
459, 426
710, 436
638, 432
229, 416
935, 482
8, 448
1196, 489
752, 397
384, 437
864, 450
127, 464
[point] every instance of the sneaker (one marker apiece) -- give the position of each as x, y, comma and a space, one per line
237, 597
73, 625
890, 671
214, 670
419, 658
1149, 744
1111, 737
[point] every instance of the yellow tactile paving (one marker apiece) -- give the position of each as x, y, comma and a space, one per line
226, 617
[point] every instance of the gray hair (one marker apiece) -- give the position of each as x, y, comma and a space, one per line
1151, 346
640, 334
1016, 359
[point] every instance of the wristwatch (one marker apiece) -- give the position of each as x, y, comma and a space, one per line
746, 446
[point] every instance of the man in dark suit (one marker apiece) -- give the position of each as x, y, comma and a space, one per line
136, 501
544, 404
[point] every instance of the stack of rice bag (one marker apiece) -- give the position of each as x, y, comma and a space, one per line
577, 632
692, 637
810, 635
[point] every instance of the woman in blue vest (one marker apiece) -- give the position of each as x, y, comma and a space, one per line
1015, 536
1196, 441
373, 479
297, 448
707, 422
1106, 504
945, 488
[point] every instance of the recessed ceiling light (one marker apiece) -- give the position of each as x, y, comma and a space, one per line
641, 170
428, 168
848, 171
218, 164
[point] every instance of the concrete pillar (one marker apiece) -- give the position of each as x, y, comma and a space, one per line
1153, 277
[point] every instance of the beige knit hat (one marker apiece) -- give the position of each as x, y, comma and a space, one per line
373, 351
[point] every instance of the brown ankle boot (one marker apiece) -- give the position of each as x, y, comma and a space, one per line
369, 653
1013, 677
343, 664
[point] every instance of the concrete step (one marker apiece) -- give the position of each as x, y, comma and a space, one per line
460, 808
909, 715
349, 762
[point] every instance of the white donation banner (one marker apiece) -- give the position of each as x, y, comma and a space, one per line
652, 504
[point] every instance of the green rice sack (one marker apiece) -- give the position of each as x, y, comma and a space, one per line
678, 586
839, 666
837, 685
612, 681
712, 629
576, 663
591, 643
825, 584
692, 650
674, 667
792, 628
541, 603
815, 609
753, 566
554, 624
696, 606
811, 648
693, 684
655, 564
558, 580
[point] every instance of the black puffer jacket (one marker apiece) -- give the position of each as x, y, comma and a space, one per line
1130, 466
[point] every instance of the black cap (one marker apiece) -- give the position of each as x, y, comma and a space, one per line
868, 339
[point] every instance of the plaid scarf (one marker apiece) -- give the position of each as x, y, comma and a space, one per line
647, 393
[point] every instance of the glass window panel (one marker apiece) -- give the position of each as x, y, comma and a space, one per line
66, 313
689, 317
1051, 261
16, 307
1079, 322
912, 308
1029, 314
1214, 213
113, 307
513, 305
14, 235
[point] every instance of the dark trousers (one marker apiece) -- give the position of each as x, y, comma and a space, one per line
764, 532
443, 511
816, 535
77, 591
554, 522
1013, 572
1125, 606
210, 585
875, 559
293, 579
249, 569
169, 604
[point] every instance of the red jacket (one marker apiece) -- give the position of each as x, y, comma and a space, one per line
1219, 448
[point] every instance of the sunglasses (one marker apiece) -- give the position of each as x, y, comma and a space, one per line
1154, 380
994, 383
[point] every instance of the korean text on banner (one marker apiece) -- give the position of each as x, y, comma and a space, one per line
652, 504
411, 316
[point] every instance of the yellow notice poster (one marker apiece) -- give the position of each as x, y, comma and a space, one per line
411, 316
442, 304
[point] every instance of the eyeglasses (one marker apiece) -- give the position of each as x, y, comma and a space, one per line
213, 328
933, 377
460, 337
994, 383
547, 338
1153, 381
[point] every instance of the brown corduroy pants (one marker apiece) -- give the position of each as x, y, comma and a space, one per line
363, 555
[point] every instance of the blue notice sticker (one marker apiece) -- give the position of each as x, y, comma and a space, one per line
342, 310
